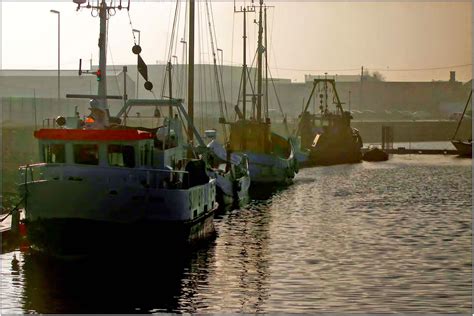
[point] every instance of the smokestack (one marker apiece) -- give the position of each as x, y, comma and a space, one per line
452, 76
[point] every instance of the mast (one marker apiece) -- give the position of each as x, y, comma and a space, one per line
259, 64
191, 69
244, 10
266, 66
170, 88
244, 67
102, 89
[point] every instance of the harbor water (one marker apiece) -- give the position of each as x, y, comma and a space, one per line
370, 237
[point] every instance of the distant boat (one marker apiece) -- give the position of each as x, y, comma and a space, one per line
327, 137
464, 147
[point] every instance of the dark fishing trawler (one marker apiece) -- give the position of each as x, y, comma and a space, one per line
327, 138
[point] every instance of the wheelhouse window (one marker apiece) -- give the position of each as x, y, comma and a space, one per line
121, 156
54, 153
86, 154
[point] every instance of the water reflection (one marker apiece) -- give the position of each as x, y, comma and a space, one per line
126, 283
367, 238
239, 279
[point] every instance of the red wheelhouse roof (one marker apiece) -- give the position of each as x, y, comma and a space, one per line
92, 134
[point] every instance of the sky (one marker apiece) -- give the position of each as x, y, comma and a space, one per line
404, 41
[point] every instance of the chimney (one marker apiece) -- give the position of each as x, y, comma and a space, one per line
452, 76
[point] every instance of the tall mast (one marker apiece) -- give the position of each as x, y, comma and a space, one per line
102, 90
266, 66
259, 64
244, 10
170, 88
244, 67
191, 69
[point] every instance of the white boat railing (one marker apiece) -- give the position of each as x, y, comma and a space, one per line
149, 178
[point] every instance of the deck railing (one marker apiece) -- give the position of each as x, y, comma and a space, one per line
149, 178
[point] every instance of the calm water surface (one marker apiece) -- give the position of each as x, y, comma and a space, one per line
370, 237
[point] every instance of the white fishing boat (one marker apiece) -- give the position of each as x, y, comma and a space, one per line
99, 183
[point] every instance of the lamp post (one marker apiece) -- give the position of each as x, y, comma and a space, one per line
59, 50
139, 35
185, 46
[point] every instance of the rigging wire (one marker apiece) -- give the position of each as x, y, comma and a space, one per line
232, 62
222, 62
279, 103
131, 28
112, 57
215, 68
171, 46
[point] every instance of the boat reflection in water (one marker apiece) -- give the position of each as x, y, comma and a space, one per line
130, 283
144, 280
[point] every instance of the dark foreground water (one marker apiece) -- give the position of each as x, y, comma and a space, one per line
370, 237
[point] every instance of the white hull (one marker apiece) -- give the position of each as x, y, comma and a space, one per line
117, 195
271, 169
233, 191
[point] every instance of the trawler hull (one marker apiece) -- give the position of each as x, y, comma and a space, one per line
73, 237
67, 213
334, 156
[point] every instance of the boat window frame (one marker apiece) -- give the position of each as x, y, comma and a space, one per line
44, 157
122, 144
74, 160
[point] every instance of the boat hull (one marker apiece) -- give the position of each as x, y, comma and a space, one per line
73, 237
232, 192
271, 169
464, 148
97, 203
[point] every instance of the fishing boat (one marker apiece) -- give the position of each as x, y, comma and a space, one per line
464, 147
101, 184
270, 155
327, 138
231, 172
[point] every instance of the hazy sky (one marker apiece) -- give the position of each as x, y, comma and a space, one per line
305, 37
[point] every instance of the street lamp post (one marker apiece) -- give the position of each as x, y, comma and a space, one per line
185, 46
59, 50
139, 35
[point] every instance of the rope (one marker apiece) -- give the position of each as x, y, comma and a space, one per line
13, 210
131, 27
